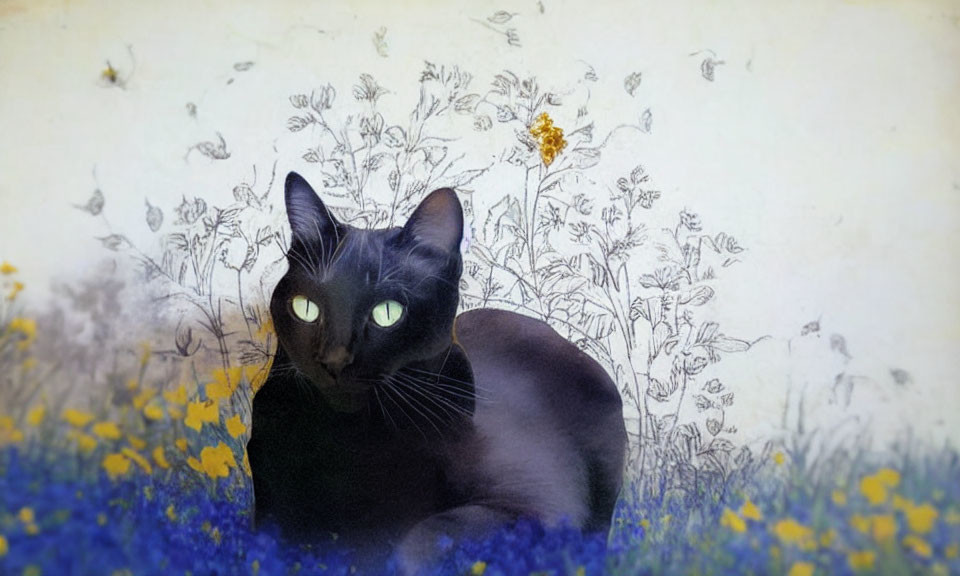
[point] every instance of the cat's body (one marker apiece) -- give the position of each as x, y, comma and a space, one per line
393, 436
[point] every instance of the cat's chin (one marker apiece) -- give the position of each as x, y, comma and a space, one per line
346, 402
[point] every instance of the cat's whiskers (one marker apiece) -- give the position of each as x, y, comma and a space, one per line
440, 376
438, 399
387, 392
406, 393
445, 389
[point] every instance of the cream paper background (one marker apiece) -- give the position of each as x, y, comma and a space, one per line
828, 143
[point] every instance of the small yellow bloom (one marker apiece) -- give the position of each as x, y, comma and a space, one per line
195, 464
17, 289
549, 138
779, 458
839, 498
199, 413
827, 538
27, 327
153, 412
171, 513
860, 523
160, 458
177, 396
235, 427
889, 477
645, 524
116, 465
141, 399
36, 415
801, 569
31, 529
217, 461
26, 515
107, 430
181, 444
4, 547
917, 545
224, 383
750, 511
884, 527
921, 518
733, 521
140, 460
85, 442
478, 568
791, 532
874, 490
77, 418
862, 560
137, 443
7, 268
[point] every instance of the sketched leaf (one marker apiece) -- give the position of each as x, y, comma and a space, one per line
584, 158
638, 309
505, 114
707, 68
707, 332
482, 123
434, 155
243, 66
466, 104
300, 100
311, 156
727, 399
154, 217
394, 137
95, 204
393, 180
464, 178
214, 150
702, 402
728, 344
661, 391
697, 296
638, 175
721, 445
839, 344
713, 426
695, 365
810, 328
632, 82
297, 123
713, 386
500, 17
646, 121
670, 344
114, 242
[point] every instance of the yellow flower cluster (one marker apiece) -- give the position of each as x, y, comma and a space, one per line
215, 462
549, 138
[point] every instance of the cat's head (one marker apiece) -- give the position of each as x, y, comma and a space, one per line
357, 305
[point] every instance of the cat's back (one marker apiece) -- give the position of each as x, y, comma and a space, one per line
547, 411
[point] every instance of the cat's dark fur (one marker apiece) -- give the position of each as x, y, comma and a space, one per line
391, 437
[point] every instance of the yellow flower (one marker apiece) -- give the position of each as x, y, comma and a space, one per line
7, 268
17, 289
85, 442
860, 523
235, 426
873, 490
801, 569
826, 539
140, 460
199, 413
116, 465
918, 545
731, 520
478, 568
217, 461
171, 513
181, 444
789, 531
160, 458
862, 560
884, 527
921, 518
141, 399
137, 443
195, 464
889, 477
177, 396
107, 430
779, 458
26, 515
36, 415
77, 418
549, 138
27, 327
246, 464
4, 547
750, 511
224, 383
153, 412
839, 498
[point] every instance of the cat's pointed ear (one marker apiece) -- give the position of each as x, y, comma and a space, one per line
437, 221
310, 220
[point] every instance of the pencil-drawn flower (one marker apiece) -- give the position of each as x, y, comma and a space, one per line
299, 100
322, 98
189, 211
690, 221
154, 216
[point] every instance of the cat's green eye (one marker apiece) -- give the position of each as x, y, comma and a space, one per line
305, 309
387, 313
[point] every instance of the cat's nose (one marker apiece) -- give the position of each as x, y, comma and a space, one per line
336, 360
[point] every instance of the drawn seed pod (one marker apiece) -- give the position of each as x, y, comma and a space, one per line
154, 216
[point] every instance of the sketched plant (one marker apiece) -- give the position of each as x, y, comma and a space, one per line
564, 241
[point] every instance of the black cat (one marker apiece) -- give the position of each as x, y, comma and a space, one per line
391, 421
